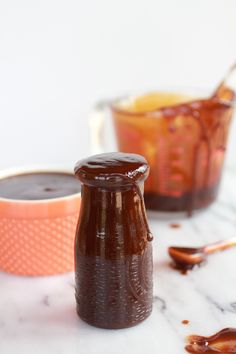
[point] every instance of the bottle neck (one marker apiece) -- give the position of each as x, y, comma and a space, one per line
112, 199
118, 217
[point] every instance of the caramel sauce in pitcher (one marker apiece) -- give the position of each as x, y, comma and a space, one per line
184, 141
113, 253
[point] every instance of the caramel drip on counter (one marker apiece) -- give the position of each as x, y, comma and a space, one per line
223, 342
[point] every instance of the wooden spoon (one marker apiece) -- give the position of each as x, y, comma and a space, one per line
186, 258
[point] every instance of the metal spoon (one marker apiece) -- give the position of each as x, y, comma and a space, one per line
186, 258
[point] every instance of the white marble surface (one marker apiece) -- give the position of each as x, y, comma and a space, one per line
37, 315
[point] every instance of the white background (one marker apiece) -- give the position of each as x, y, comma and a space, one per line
58, 57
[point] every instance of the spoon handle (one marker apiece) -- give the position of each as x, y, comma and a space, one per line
220, 245
226, 90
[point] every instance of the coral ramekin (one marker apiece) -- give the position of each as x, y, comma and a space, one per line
37, 236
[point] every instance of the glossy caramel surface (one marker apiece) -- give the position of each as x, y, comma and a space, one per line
118, 168
37, 186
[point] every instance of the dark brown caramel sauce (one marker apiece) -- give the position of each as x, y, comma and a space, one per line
185, 259
112, 169
223, 342
182, 267
187, 202
37, 186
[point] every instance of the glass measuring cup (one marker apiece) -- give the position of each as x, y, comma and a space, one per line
184, 140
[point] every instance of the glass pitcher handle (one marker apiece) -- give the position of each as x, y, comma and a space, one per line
102, 133
96, 126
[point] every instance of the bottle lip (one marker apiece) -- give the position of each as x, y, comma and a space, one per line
112, 169
111, 181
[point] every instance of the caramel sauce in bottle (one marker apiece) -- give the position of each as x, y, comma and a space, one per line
113, 252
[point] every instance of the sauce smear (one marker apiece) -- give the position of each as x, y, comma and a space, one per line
175, 226
222, 342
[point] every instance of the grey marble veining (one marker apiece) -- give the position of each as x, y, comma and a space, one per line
37, 315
